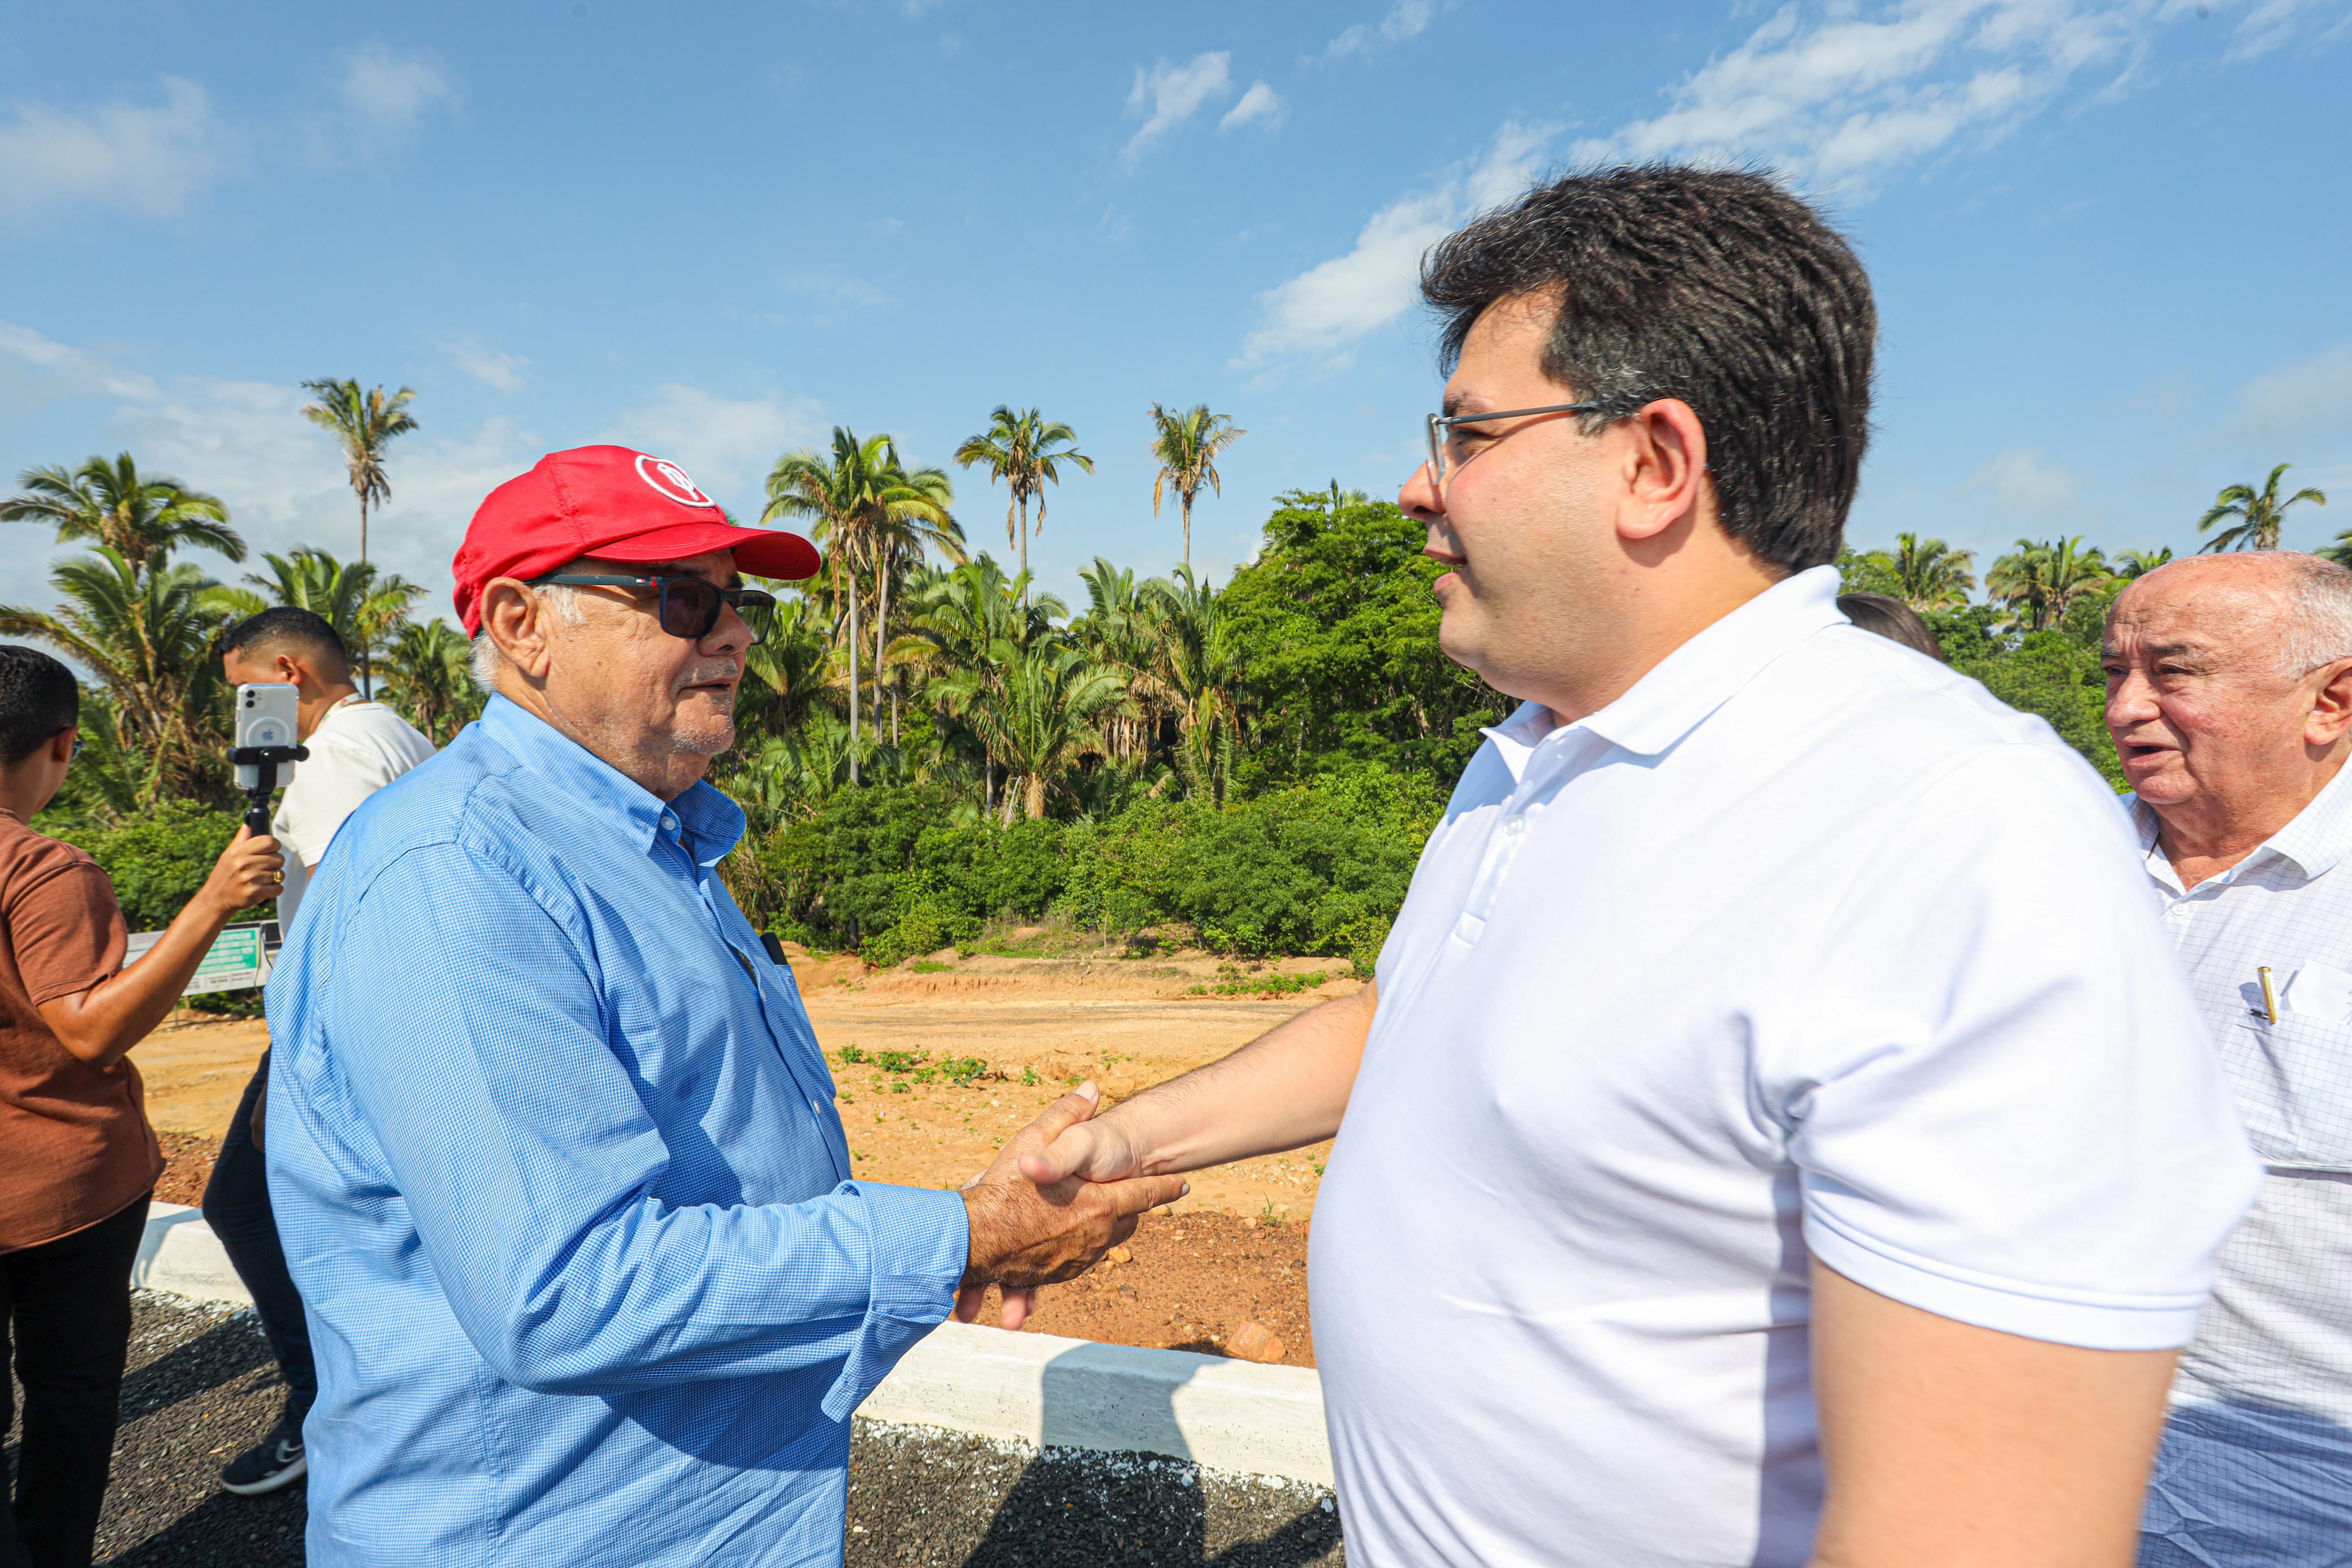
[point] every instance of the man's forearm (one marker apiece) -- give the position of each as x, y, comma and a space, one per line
1287, 1088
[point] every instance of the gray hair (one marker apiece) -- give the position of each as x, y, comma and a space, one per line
487, 658
2319, 632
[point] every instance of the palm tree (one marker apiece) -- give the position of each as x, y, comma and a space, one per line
2041, 582
432, 670
365, 607
791, 668
148, 636
1196, 669
2138, 563
969, 624
2260, 513
1025, 450
365, 423
1928, 575
851, 501
1187, 445
1038, 715
142, 519
896, 541
1119, 631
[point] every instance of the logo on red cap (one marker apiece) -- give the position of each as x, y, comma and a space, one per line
670, 480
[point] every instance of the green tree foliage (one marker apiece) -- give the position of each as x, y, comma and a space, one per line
367, 608
2259, 513
363, 424
1337, 628
431, 668
1186, 443
142, 517
1023, 451
158, 859
1928, 575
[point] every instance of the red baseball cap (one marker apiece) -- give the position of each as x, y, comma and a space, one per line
613, 503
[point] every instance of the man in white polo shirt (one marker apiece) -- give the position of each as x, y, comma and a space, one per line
357, 747
1777, 1131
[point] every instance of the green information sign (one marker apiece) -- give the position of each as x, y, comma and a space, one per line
237, 961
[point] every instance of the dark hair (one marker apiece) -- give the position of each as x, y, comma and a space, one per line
38, 697
284, 626
1893, 620
1716, 286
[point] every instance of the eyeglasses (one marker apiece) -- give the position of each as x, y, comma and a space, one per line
688, 606
1439, 423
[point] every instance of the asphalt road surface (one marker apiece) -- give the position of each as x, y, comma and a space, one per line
202, 1389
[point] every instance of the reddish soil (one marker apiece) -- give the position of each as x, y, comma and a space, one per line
187, 1165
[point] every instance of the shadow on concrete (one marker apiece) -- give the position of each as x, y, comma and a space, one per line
1076, 1503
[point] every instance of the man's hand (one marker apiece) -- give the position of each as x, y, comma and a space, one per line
250, 870
1025, 1233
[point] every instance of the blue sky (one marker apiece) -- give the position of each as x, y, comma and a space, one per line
2109, 239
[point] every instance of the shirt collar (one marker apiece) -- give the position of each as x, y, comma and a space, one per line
2314, 839
710, 824
1696, 678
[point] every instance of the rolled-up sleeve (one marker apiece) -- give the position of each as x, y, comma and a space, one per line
468, 1025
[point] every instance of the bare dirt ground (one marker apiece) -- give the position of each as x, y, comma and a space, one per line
938, 1061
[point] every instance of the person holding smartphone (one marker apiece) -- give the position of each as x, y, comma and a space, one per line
78, 1159
357, 747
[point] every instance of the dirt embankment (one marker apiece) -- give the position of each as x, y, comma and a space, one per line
937, 1062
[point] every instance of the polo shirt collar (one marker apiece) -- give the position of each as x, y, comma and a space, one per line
1696, 678
709, 822
2314, 839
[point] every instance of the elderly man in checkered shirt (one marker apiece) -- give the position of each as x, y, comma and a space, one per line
2230, 698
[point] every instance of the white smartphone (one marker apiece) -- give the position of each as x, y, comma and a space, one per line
268, 714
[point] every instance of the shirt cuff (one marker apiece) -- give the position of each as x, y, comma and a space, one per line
2092, 1320
919, 1242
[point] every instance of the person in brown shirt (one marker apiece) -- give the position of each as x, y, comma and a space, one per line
77, 1157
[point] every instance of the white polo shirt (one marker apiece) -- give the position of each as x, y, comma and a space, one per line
358, 748
1804, 947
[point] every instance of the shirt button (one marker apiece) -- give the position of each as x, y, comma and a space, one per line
669, 823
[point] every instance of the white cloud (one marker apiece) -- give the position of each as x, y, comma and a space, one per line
388, 92
2306, 394
728, 445
149, 160
1325, 309
840, 293
1261, 104
2025, 484
1167, 95
493, 368
247, 443
1406, 19
1843, 94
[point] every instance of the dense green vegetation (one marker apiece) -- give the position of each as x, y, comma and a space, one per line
929, 747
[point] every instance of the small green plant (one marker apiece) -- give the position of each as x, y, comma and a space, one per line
960, 1071
1233, 983
899, 1087
899, 1061
929, 967
1029, 1077
851, 1056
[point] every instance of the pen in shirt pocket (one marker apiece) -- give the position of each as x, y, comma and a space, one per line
2270, 994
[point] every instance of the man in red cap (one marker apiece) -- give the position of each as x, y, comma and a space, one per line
553, 1146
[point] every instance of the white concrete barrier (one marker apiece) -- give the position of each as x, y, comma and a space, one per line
1032, 1389
180, 1254
1071, 1392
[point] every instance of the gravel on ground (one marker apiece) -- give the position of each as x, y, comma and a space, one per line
202, 1387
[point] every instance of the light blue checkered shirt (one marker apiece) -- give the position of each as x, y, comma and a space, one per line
555, 1160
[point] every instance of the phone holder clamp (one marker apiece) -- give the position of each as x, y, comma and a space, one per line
264, 759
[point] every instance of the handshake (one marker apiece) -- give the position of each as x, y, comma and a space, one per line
1063, 1192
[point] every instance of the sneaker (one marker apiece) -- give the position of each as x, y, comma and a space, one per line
277, 1460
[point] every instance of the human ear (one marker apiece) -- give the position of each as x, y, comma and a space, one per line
2331, 706
516, 621
1665, 468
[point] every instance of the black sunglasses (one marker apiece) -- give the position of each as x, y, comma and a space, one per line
688, 606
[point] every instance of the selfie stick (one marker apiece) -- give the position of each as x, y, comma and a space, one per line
264, 760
